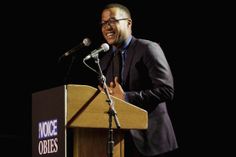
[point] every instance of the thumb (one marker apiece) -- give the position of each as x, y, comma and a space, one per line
116, 80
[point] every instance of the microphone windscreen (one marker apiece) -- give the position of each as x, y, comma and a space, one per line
86, 41
105, 47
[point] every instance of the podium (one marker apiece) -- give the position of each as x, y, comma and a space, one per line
80, 110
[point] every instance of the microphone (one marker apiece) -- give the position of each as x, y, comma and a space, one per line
104, 47
86, 42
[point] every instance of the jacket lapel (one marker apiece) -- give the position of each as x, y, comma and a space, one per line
129, 58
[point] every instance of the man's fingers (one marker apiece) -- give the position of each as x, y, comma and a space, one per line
100, 88
111, 84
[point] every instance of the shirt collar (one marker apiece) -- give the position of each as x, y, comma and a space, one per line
125, 45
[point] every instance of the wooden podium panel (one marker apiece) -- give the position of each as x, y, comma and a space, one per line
89, 108
93, 142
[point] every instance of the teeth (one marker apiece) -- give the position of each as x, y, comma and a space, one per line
109, 34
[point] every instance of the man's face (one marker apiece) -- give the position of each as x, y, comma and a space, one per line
115, 26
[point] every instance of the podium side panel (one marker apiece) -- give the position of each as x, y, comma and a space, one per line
48, 123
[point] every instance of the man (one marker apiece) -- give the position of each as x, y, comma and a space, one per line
143, 78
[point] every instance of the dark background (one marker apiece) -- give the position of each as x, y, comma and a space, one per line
35, 35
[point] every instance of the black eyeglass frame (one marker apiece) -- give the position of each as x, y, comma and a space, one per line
111, 21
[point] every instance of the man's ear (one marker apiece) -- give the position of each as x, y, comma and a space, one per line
129, 22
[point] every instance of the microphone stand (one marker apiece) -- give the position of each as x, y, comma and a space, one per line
68, 70
111, 112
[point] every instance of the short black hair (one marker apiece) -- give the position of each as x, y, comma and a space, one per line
120, 6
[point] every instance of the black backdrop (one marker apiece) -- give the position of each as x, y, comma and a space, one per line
35, 35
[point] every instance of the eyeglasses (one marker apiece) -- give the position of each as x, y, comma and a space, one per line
111, 22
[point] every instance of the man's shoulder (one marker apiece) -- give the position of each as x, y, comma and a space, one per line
143, 41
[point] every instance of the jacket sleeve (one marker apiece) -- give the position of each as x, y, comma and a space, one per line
161, 87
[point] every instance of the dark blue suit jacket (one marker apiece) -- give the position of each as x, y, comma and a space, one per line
148, 84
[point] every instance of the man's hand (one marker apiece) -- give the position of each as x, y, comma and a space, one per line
115, 89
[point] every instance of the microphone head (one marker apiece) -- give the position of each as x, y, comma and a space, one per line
86, 41
105, 47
